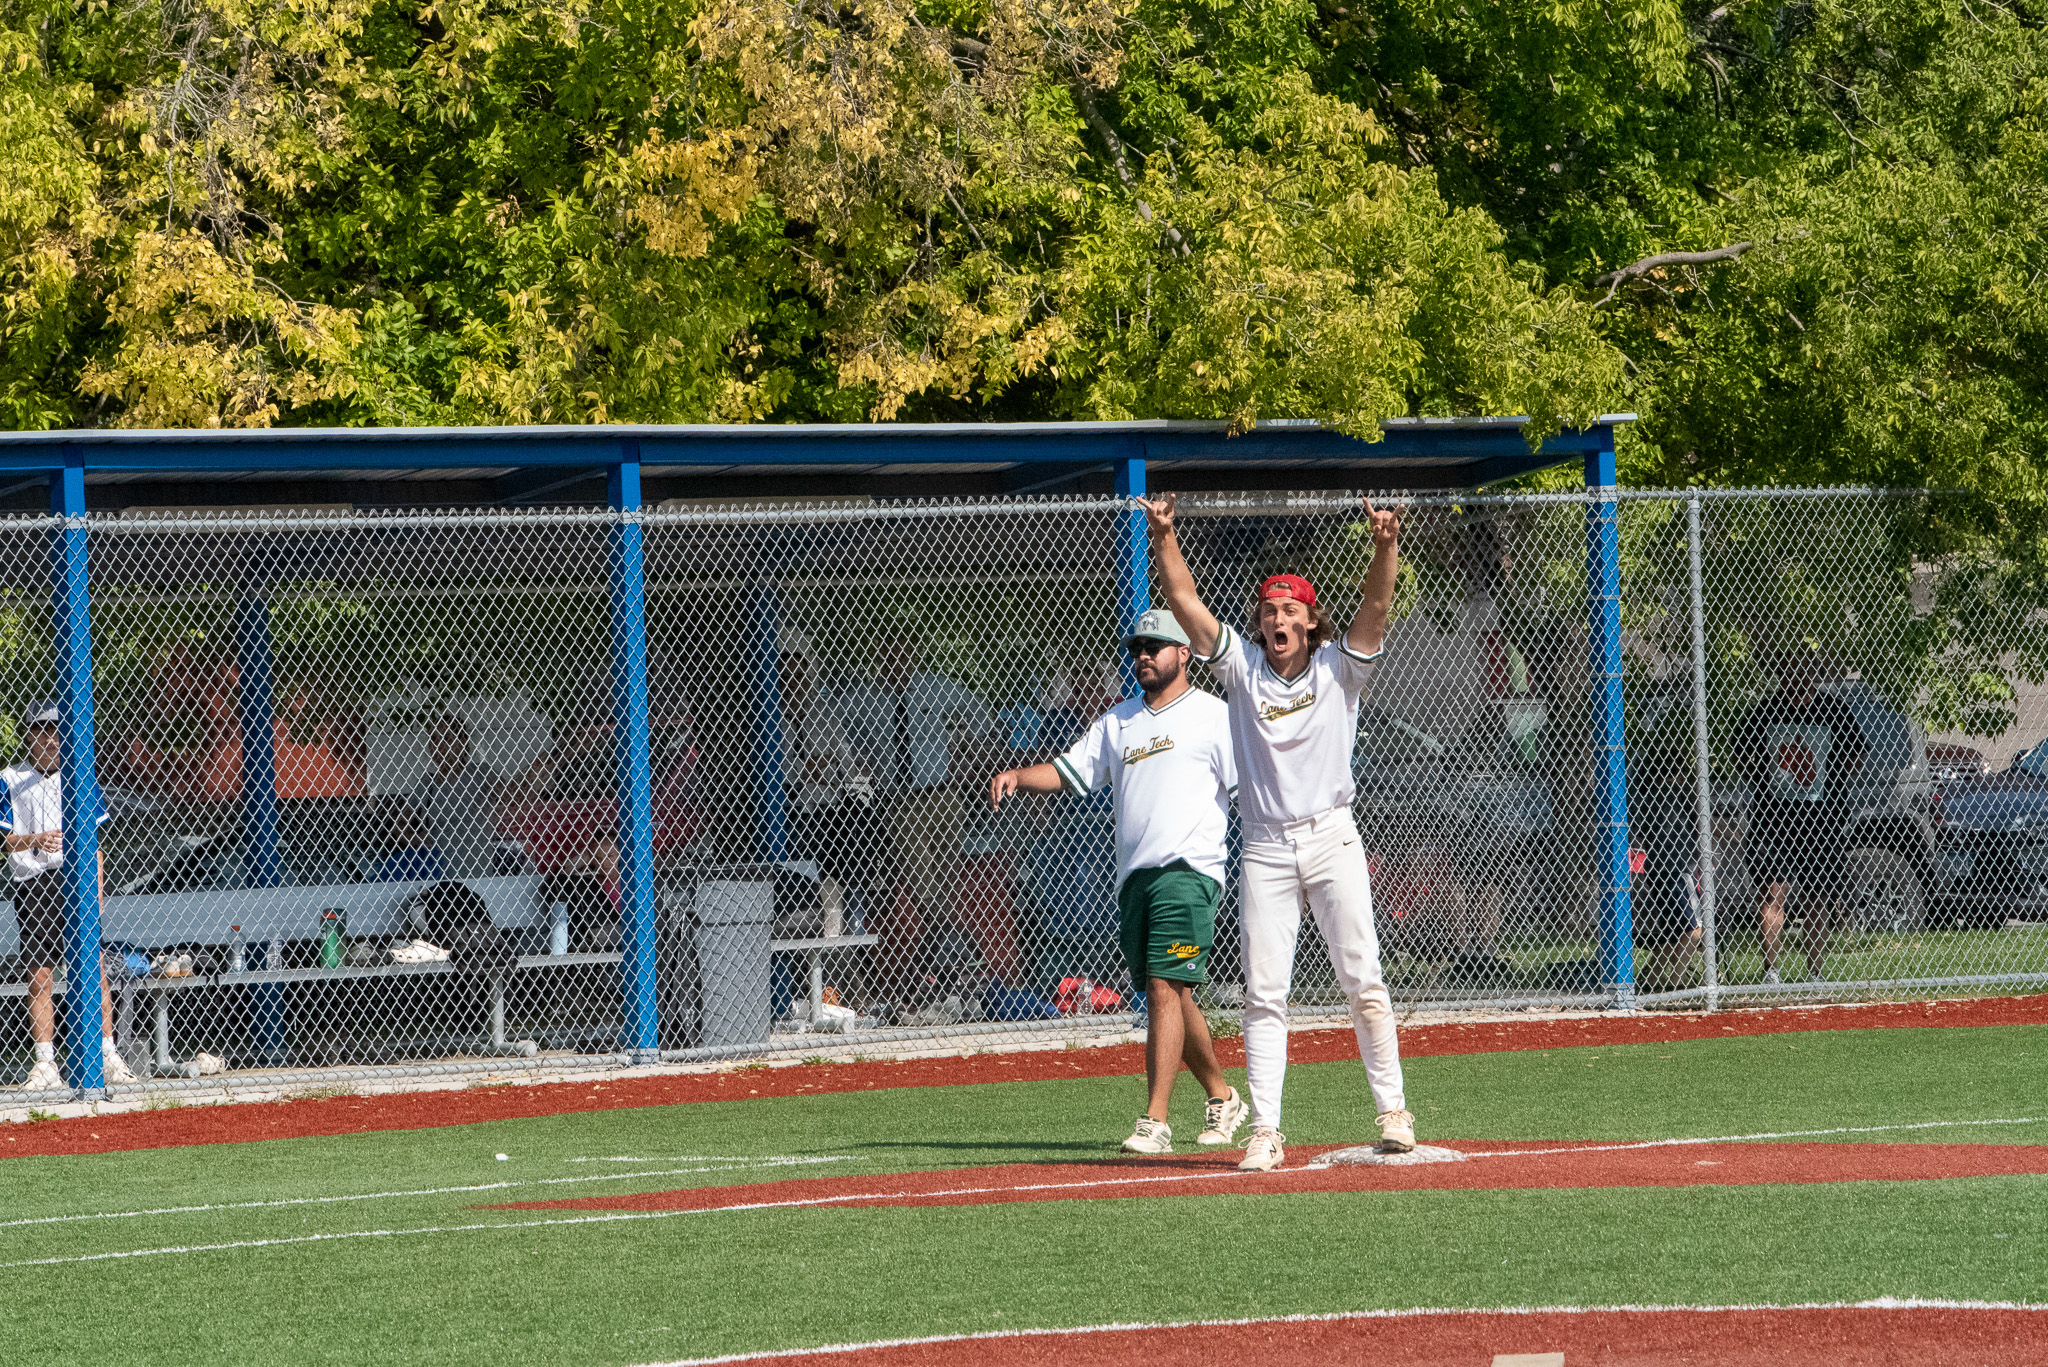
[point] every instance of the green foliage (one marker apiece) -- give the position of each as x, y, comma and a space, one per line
585, 210
358, 211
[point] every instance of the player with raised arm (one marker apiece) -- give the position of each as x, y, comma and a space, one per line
1293, 690
1166, 756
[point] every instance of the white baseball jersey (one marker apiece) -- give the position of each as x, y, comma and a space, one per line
1171, 772
1291, 737
32, 802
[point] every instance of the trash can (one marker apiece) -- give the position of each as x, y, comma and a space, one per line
733, 918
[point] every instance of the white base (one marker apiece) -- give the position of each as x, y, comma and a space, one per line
1371, 1155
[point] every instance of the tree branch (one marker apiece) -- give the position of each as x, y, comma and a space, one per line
1085, 102
1614, 280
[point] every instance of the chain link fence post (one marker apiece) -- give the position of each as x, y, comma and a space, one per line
84, 1022
1615, 949
257, 705
1702, 758
771, 810
638, 910
1134, 552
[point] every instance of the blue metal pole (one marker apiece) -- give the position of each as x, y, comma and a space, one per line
628, 596
84, 1026
771, 817
1616, 952
258, 708
1134, 557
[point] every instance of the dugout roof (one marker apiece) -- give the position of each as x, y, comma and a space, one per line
470, 466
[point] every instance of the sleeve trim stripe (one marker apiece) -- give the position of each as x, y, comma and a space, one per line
1223, 638
1345, 646
1068, 775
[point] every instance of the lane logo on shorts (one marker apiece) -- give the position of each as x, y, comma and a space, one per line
1159, 745
1274, 711
1181, 949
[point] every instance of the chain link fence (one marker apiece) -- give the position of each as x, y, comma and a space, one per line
364, 774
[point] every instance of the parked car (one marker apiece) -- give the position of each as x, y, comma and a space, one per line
1993, 846
1891, 831
1947, 762
320, 841
1456, 830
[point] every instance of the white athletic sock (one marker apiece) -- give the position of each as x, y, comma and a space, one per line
46, 1052
107, 1045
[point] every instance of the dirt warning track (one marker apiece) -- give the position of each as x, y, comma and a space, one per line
1487, 1167
1906, 1335
244, 1122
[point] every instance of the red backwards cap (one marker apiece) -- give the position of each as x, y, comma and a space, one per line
1288, 586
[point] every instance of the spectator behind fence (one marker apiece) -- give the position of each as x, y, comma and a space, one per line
1801, 751
1664, 828
817, 770
461, 800
32, 816
1071, 864
906, 730
413, 857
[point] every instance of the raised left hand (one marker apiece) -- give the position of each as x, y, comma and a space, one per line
1386, 525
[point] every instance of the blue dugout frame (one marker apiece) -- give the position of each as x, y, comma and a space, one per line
1459, 451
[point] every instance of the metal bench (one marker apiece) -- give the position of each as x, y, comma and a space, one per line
161, 990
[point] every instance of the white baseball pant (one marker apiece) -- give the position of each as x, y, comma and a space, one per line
1317, 862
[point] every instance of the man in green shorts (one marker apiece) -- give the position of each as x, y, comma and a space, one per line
1166, 756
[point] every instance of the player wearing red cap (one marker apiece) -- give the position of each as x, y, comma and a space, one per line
1293, 691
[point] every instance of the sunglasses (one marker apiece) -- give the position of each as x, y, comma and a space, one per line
1150, 647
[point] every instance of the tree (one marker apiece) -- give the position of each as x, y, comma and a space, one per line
760, 210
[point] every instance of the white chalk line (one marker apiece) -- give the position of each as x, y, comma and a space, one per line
672, 1158
342, 1235
1740, 1138
855, 1197
1338, 1316
608, 1218
713, 1165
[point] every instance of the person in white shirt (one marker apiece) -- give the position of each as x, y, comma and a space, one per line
827, 804
1166, 757
32, 816
1293, 689
461, 799
914, 732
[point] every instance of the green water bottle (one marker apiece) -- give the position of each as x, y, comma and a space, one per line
333, 925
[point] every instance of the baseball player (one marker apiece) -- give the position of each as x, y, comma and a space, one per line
32, 828
1293, 685
1166, 757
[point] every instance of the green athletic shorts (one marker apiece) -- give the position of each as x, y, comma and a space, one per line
1167, 923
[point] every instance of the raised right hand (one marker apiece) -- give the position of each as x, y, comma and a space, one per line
1159, 513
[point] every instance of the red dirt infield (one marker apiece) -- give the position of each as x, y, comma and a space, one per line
1837, 1336
1502, 1167
249, 1121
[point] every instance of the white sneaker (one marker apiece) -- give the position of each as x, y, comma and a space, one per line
1397, 1132
116, 1068
1265, 1152
1221, 1120
1771, 978
1151, 1136
44, 1077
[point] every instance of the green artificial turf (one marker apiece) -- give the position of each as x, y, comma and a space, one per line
630, 1291
1853, 956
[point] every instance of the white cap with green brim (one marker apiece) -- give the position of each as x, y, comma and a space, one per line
1157, 625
